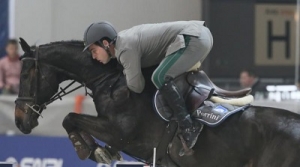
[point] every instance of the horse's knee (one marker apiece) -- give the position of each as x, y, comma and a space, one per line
68, 122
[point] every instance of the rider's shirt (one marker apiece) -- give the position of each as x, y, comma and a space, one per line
148, 44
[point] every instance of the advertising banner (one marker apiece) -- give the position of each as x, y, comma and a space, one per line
34, 151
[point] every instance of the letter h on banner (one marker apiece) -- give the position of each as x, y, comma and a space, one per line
272, 38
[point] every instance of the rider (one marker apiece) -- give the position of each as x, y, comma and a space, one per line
175, 46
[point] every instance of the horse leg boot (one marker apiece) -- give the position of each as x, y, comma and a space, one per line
189, 130
81, 148
100, 154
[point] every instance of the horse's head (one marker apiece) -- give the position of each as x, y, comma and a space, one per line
35, 89
45, 67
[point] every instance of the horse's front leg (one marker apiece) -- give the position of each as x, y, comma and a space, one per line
79, 128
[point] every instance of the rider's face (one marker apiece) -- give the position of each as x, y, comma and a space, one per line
99, 54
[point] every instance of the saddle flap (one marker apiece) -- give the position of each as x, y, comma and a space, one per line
196, 96
198, 79
161, 106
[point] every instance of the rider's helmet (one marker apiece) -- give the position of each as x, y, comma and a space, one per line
97, 32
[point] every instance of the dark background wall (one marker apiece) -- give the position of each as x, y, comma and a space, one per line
3, 26
232, 25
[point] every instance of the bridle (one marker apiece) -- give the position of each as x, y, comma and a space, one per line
39, 108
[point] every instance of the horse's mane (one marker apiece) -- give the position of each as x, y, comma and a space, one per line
70, 42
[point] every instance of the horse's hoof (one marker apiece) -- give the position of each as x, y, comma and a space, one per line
102, 156
115, 154
117, 157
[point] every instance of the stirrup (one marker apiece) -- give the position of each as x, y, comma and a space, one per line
185, 150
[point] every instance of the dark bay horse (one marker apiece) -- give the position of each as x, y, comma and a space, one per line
256, 137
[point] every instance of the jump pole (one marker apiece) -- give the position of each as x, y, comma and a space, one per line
154, 156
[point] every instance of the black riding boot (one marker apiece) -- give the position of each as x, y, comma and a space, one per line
189, 130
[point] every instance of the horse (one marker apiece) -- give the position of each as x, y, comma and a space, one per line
126, 121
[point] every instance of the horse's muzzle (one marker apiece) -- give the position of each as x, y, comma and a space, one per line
24, 121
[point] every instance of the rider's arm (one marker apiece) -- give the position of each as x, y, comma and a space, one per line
131, 62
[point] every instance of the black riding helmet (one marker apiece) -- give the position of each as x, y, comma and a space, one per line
96, 32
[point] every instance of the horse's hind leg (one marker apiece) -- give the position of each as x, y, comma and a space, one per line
84, 143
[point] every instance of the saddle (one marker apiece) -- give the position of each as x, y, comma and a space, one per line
199, 78
205, 102
196, 89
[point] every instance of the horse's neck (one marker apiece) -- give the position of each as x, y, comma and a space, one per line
70, 64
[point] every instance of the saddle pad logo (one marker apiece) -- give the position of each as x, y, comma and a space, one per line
220, 109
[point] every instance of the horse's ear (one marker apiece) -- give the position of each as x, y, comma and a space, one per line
25, 46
